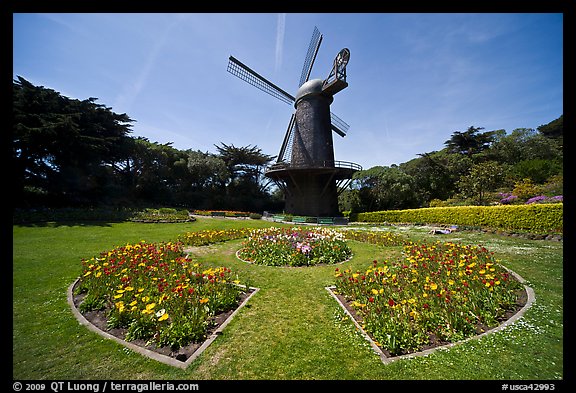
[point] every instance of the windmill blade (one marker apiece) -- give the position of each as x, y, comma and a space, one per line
286, 149
236, 68
310, 55
339, 126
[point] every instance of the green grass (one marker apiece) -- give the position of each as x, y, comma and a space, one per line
291, 329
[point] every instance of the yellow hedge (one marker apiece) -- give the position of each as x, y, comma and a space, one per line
533, 217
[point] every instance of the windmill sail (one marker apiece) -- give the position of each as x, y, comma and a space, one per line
236, 68
285, 154
339, 126
310, 56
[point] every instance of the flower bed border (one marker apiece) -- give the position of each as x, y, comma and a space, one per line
531, 297
147, 352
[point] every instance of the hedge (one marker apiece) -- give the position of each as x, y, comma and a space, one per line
534, 217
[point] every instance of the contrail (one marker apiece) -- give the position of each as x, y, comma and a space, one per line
281, 27
132, 90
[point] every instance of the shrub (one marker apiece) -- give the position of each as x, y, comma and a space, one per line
532, 217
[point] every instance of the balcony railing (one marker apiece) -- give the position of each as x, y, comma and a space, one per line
318, 164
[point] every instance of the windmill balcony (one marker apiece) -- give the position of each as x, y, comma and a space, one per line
323, 164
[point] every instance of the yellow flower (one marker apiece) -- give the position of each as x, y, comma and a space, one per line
433, 286
204, 300
149, 308
375, 292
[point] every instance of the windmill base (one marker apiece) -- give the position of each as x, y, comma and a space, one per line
310, 192
314, 196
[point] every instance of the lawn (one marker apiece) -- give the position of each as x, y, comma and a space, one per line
291, 329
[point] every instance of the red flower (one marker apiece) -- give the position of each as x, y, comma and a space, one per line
371, 299
391, 302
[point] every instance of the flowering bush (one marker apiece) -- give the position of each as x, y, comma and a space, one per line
294, 247
210, 236
373, 237
441, 291
225, 213
156, 292
545, 199
507, 198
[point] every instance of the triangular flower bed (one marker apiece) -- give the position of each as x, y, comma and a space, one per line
181, 357
439, 295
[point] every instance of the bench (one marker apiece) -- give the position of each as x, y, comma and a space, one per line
218, 214
340, 221
299, 219
326, 220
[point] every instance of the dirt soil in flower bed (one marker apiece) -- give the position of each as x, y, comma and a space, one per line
98, 319
435, 341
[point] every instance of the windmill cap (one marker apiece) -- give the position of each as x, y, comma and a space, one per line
313, 86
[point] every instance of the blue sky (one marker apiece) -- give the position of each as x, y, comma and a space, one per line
414, 79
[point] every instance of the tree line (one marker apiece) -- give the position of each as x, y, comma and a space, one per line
475, 167
69, 152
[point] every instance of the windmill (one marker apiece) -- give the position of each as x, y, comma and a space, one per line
305, 168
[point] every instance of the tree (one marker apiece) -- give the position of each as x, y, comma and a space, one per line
60, 145
554, 129
383, 188
207, 170
470, 142
483, 177
436, 173
246, 162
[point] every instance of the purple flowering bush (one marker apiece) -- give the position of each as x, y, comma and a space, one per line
507, 198
545, 199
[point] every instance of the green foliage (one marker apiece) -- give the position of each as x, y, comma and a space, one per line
554, 129
534, 217
525, 189
483, 177
539, 170
469, 142
383, 187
